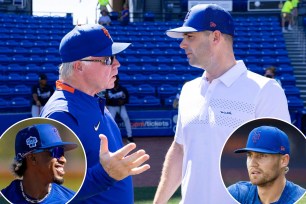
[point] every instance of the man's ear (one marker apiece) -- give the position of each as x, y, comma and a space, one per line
77, 66
285, 160
216, 36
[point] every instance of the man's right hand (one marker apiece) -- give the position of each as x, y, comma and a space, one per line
119, 164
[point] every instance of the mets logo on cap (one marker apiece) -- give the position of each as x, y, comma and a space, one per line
106, 33
256, 136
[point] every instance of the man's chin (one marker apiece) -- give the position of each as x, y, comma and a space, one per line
59, 181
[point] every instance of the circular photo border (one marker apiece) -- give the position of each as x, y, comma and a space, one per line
233, 166
75, 167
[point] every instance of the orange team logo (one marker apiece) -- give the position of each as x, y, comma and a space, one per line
212, 25
106, 33
256, 137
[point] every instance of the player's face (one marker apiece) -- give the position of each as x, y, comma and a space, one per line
100, 76
197, 47
263, 169
50, 169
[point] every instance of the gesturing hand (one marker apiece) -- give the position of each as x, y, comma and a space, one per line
119, 164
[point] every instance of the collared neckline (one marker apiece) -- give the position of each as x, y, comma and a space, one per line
230, 76
64, 87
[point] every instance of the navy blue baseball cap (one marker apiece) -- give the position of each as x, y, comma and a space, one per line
38, 137
268, 140
88, 40
202, 17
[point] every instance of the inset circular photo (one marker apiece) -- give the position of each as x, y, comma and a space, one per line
263, 161
42, 161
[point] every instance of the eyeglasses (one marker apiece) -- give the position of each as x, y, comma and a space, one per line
55, 152
106, 61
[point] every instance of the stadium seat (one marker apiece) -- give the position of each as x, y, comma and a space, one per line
5, 50
36, 59
295, 103
31, 78
166, 90
291, 91
22, 90
171, 78
124, 77
151, 101
168, 102
148, 68
14, 68
32, 68
131, 89
4, 104
287, 79
52, 77
20, 102
14, 78
27, 43
19, 59
139, 77
145, 89
155, 78
5, 91
5, 59
133, 102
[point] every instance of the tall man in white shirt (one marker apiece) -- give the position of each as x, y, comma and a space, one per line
212, 106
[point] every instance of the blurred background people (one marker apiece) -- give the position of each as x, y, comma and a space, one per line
104, 18
286, 15
41, 93
125, 16
270, 72
116, 98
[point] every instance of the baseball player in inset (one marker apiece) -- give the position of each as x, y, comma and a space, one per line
268, 155
39, 165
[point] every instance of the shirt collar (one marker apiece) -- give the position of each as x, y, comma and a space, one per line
61, 86
229, 77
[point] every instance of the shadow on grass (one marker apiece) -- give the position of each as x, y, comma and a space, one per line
145, 195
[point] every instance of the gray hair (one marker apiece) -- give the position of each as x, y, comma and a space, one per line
65, 70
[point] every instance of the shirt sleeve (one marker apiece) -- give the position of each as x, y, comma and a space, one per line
96, 180
272, 102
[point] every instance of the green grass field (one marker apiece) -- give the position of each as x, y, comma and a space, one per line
145, 195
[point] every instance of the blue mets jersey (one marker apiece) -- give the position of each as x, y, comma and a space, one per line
87, 117
246, 193
58, 194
